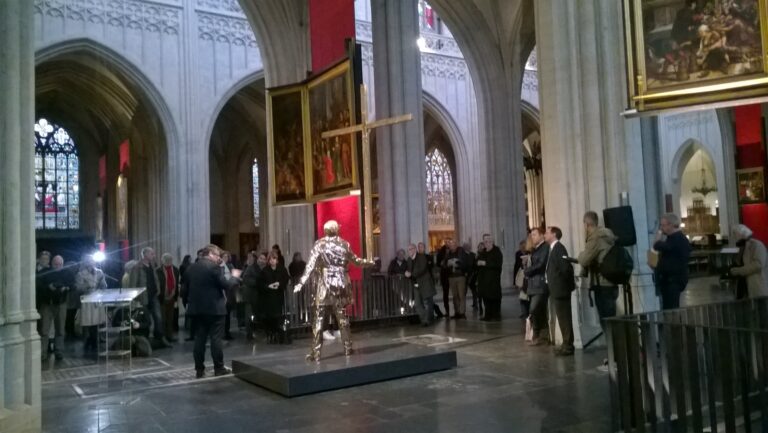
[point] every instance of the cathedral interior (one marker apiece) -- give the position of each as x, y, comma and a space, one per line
156, 125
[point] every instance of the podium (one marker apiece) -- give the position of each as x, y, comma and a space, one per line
101, 302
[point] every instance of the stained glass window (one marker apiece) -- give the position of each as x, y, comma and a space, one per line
427, 17
439, 190
255, 177
57, 182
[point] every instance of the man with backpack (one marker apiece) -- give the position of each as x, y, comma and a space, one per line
599, 241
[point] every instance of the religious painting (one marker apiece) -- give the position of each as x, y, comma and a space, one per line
751, 184
331, 106
122, 207
692, 52
287, 168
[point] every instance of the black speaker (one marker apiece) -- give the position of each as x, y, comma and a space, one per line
622, 224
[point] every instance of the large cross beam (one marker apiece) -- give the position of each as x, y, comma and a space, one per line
365, 128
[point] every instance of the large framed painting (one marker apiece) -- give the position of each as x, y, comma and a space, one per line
751, 184
330, 106
691, 52
287, 153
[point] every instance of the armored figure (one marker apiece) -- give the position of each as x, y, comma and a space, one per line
332, 292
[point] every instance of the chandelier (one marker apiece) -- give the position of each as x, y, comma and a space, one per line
704, 189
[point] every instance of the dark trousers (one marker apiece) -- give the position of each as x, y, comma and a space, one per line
492, 308
670, 294
565, 320
155, 311
208, 326
539, 313
69, 322
605, 301
228, 320
446, 293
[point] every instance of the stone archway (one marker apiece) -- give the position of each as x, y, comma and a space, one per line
124, 126
238, 138
695, 195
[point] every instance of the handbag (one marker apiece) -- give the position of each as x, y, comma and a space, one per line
519, 278
653, 258
523, 296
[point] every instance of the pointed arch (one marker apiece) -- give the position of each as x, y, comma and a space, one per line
233, 88
144, 84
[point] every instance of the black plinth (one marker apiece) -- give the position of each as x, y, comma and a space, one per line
290, 375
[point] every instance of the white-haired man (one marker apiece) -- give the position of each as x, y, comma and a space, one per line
332, 291
753, 265
672, 269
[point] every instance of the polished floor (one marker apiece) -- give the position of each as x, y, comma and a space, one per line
501, 385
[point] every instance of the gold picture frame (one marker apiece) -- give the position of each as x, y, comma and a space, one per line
287, 150
692, 52
751, 185
331, 105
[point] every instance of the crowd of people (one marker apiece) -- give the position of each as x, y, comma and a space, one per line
213, 288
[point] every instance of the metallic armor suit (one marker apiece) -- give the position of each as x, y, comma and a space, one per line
328, 262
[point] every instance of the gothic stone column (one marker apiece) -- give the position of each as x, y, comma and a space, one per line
400, 148
590, 152
19, 342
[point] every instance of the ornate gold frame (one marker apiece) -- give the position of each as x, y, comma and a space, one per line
271, 94
341, 69
680, 95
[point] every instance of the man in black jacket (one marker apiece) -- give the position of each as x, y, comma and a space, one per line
560, 281
489, 262
672, 269
423, 286
537, 286
204, 292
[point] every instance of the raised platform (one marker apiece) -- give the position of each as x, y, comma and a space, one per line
290, 375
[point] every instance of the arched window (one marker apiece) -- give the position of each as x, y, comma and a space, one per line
255, 179
439, 191
57, 201
427, 17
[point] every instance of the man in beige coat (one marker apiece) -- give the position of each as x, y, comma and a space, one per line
754, 262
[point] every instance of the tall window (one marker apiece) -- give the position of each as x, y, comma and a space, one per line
57, 202
255, 178
427, 18
439, 191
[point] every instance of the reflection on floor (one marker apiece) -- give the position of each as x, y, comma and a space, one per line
501, 385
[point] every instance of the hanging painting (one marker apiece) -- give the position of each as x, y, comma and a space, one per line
331, 106
691, 52
751, 184
287, 154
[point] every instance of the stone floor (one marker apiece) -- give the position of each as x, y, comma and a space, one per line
501, 385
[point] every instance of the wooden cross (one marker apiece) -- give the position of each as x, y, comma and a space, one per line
365, 128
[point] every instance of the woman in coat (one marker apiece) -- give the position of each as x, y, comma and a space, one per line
754, 262
273, 283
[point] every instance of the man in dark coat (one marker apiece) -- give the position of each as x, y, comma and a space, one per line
560, 282
489, 263
537, 286
423, 285
672, 269
204, 292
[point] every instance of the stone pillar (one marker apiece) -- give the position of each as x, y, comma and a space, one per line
400, 148
590, 154
19, 342
283, 34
